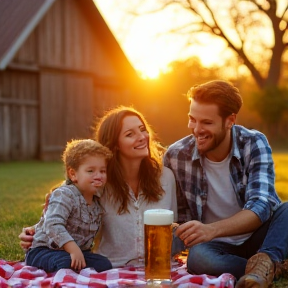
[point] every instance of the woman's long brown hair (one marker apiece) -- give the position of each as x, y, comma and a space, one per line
107, 133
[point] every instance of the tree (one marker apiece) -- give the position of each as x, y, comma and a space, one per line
255, 30
272, 104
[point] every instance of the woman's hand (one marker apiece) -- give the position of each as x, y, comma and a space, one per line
26, 237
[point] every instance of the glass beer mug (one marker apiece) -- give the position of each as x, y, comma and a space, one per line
158, 241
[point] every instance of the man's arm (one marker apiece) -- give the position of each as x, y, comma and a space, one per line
195, 232
260, 194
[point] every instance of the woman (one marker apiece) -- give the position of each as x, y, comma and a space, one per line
137, 181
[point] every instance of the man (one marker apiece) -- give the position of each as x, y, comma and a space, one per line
233, 220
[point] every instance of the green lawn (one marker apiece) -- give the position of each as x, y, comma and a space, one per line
23, 186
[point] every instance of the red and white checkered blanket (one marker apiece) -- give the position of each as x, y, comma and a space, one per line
17, 275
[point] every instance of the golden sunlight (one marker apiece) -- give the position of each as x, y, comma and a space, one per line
150, 72
209, 50
150, 54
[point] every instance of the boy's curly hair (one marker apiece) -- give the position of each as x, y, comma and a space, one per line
76, 150
73, 156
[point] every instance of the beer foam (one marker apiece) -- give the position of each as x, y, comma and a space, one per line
158, 217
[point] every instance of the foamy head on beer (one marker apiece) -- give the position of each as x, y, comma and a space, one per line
158, 217
158, 240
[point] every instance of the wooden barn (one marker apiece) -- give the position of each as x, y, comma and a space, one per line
60, 68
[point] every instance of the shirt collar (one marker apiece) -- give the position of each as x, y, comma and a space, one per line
235, 151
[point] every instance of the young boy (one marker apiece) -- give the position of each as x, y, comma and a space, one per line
72, 216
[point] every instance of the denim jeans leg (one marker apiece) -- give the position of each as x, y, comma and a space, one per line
177, 246
275, 243
215, 258
48, 259
98, 262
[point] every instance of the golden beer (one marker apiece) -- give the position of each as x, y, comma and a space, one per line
158, 241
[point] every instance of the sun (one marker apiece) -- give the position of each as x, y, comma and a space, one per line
152, 68
150, 72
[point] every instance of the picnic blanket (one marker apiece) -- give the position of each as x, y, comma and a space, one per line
18, 275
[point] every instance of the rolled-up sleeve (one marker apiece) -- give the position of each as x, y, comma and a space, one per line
260, 196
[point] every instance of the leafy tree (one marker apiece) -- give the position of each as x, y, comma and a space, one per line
255, 30
271, 103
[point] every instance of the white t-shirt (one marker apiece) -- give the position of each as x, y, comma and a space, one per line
221, 200
123, 235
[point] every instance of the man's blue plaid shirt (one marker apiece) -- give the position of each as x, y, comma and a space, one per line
251, 173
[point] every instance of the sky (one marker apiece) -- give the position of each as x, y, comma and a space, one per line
140, 41
150, 49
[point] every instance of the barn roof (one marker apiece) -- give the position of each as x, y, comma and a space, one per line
18, 18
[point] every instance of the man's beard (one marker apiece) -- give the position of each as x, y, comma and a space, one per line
216, 140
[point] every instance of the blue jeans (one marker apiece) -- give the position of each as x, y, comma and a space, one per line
216, 258
52, 260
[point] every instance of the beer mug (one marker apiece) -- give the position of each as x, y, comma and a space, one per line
158, 241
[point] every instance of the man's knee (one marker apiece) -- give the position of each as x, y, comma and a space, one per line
196, 261
283, 207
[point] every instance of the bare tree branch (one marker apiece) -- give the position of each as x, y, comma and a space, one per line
240, 30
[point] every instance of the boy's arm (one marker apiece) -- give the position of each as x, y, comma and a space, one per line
55, 226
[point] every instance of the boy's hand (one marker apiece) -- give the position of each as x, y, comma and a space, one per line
77, 257
77, 260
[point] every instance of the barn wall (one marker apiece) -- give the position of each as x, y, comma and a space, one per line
19, 116
66, 111
67, 40
59, 82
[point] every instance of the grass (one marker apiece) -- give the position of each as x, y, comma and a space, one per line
23, 186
